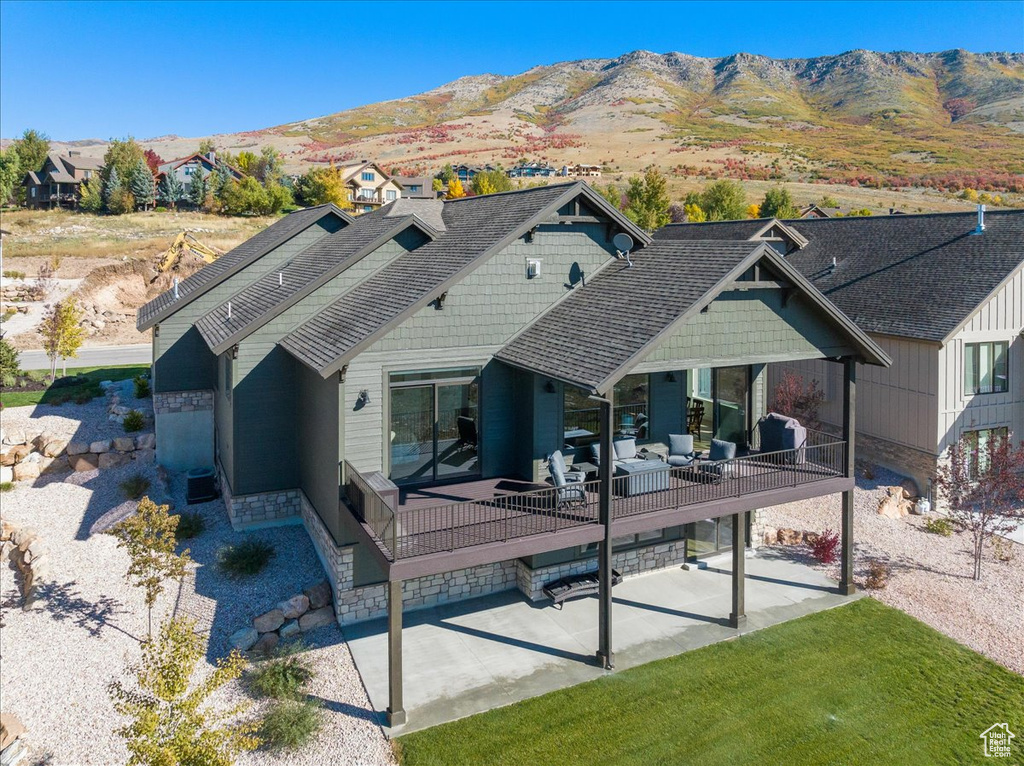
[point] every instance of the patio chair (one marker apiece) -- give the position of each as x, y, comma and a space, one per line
467, 432
680, 450
569, 487
718, 466
695, 418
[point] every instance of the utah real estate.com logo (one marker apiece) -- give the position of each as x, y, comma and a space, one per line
997, 740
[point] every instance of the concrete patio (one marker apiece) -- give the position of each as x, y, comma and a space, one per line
465, 658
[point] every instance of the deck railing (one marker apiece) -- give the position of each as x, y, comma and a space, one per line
404, 533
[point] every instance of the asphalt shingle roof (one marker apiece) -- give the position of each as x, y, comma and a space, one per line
474, 226
912, 276
322, 260
599, 327
249, 251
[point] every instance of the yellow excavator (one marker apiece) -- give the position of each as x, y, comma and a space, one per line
184, 244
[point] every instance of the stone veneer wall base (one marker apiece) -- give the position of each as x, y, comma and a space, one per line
262, 510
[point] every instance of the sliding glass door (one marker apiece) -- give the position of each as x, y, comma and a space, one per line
731, 395
434, 425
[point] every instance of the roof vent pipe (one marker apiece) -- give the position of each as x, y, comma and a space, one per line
175, 288
280, 278
981, 220
229, 309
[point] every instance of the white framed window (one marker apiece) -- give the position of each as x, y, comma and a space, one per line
369, 175
392, 196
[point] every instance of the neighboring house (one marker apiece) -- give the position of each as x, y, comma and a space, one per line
580, 170
532, 170
407, 386
943, 298
815, 211
59, 182
466, 173
186, 168
416, 187
369, 186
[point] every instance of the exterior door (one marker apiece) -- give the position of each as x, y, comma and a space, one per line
731, 396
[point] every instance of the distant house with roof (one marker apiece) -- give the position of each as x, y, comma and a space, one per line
59, 182
416, 187
581, 171
815, 211
466, 173
942, 295
532, 170
187, 168
369, 185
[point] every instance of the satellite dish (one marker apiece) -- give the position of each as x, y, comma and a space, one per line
623, 242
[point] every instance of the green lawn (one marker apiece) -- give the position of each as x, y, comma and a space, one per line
84, 391
861, 684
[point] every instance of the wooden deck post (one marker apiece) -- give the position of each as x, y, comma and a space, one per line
738, 616
846, 586
396, 708
604, 557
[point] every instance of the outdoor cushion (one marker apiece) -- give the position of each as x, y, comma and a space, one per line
625, 449
680, 444
595, 453
722, 450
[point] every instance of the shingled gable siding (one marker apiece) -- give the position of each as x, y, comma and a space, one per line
747, 327
497, 300
182, 361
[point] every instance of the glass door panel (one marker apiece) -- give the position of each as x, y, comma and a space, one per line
732, 389
457, 430
701, 538
412, 433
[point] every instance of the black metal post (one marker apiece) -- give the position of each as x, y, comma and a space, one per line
396, 708
846, 586
604, 557
738, 616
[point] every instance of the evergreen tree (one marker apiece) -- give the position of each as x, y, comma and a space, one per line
143, 187
197, 186
112, 186
170, 190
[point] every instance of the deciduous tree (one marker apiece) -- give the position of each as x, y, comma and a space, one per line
123, 155
62, 333
491, 182
647, 200
91, 198
724, 201
148, 537
694, 213
791, 397
777, 203
32, 149
10, 174
153, 161
322, 185
982, 488
170, 721
455, 189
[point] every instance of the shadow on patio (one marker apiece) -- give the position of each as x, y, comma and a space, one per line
468, 657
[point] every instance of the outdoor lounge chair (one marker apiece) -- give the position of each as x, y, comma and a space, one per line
568, 484
680, 450
572, 586
718, 465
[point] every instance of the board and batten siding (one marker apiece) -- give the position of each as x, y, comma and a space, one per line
1000, 318
898, 404
182, 361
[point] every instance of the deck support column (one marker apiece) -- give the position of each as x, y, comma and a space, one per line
604, 557
738, 616
846, 586
396, 708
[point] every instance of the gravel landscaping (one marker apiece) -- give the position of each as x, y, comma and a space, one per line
58, 657
931, 575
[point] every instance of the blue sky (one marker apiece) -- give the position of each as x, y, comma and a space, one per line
196, 68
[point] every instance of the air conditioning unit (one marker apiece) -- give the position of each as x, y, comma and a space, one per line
532, 268
201, 485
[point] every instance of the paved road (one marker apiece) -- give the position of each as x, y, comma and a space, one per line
92, 356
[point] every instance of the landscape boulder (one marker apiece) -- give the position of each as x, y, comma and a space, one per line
266, 644
319, 595
87, 462
113, 459
26, 471
53, 447
788, 536
124, 443
144, 455
316, 618
244, 639
290, 629
893, 505
294, 607
10, 729
99, 447
17, 453
77, 448
269, 621
909, 489
15, 435
145, 441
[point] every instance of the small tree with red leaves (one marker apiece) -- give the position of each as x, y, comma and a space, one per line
153, 160
982, 486
792, 398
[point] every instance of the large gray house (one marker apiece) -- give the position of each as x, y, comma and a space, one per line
430, 389
942, 294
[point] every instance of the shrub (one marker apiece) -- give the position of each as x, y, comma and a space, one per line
190, 524
141, 386
134, 421
160, 209
291, 723
825, 547
878, 575
6, 486
1003, 549
284, 676
11, 274
84, 397
939, 526
134, 487
10, 364
246, 558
